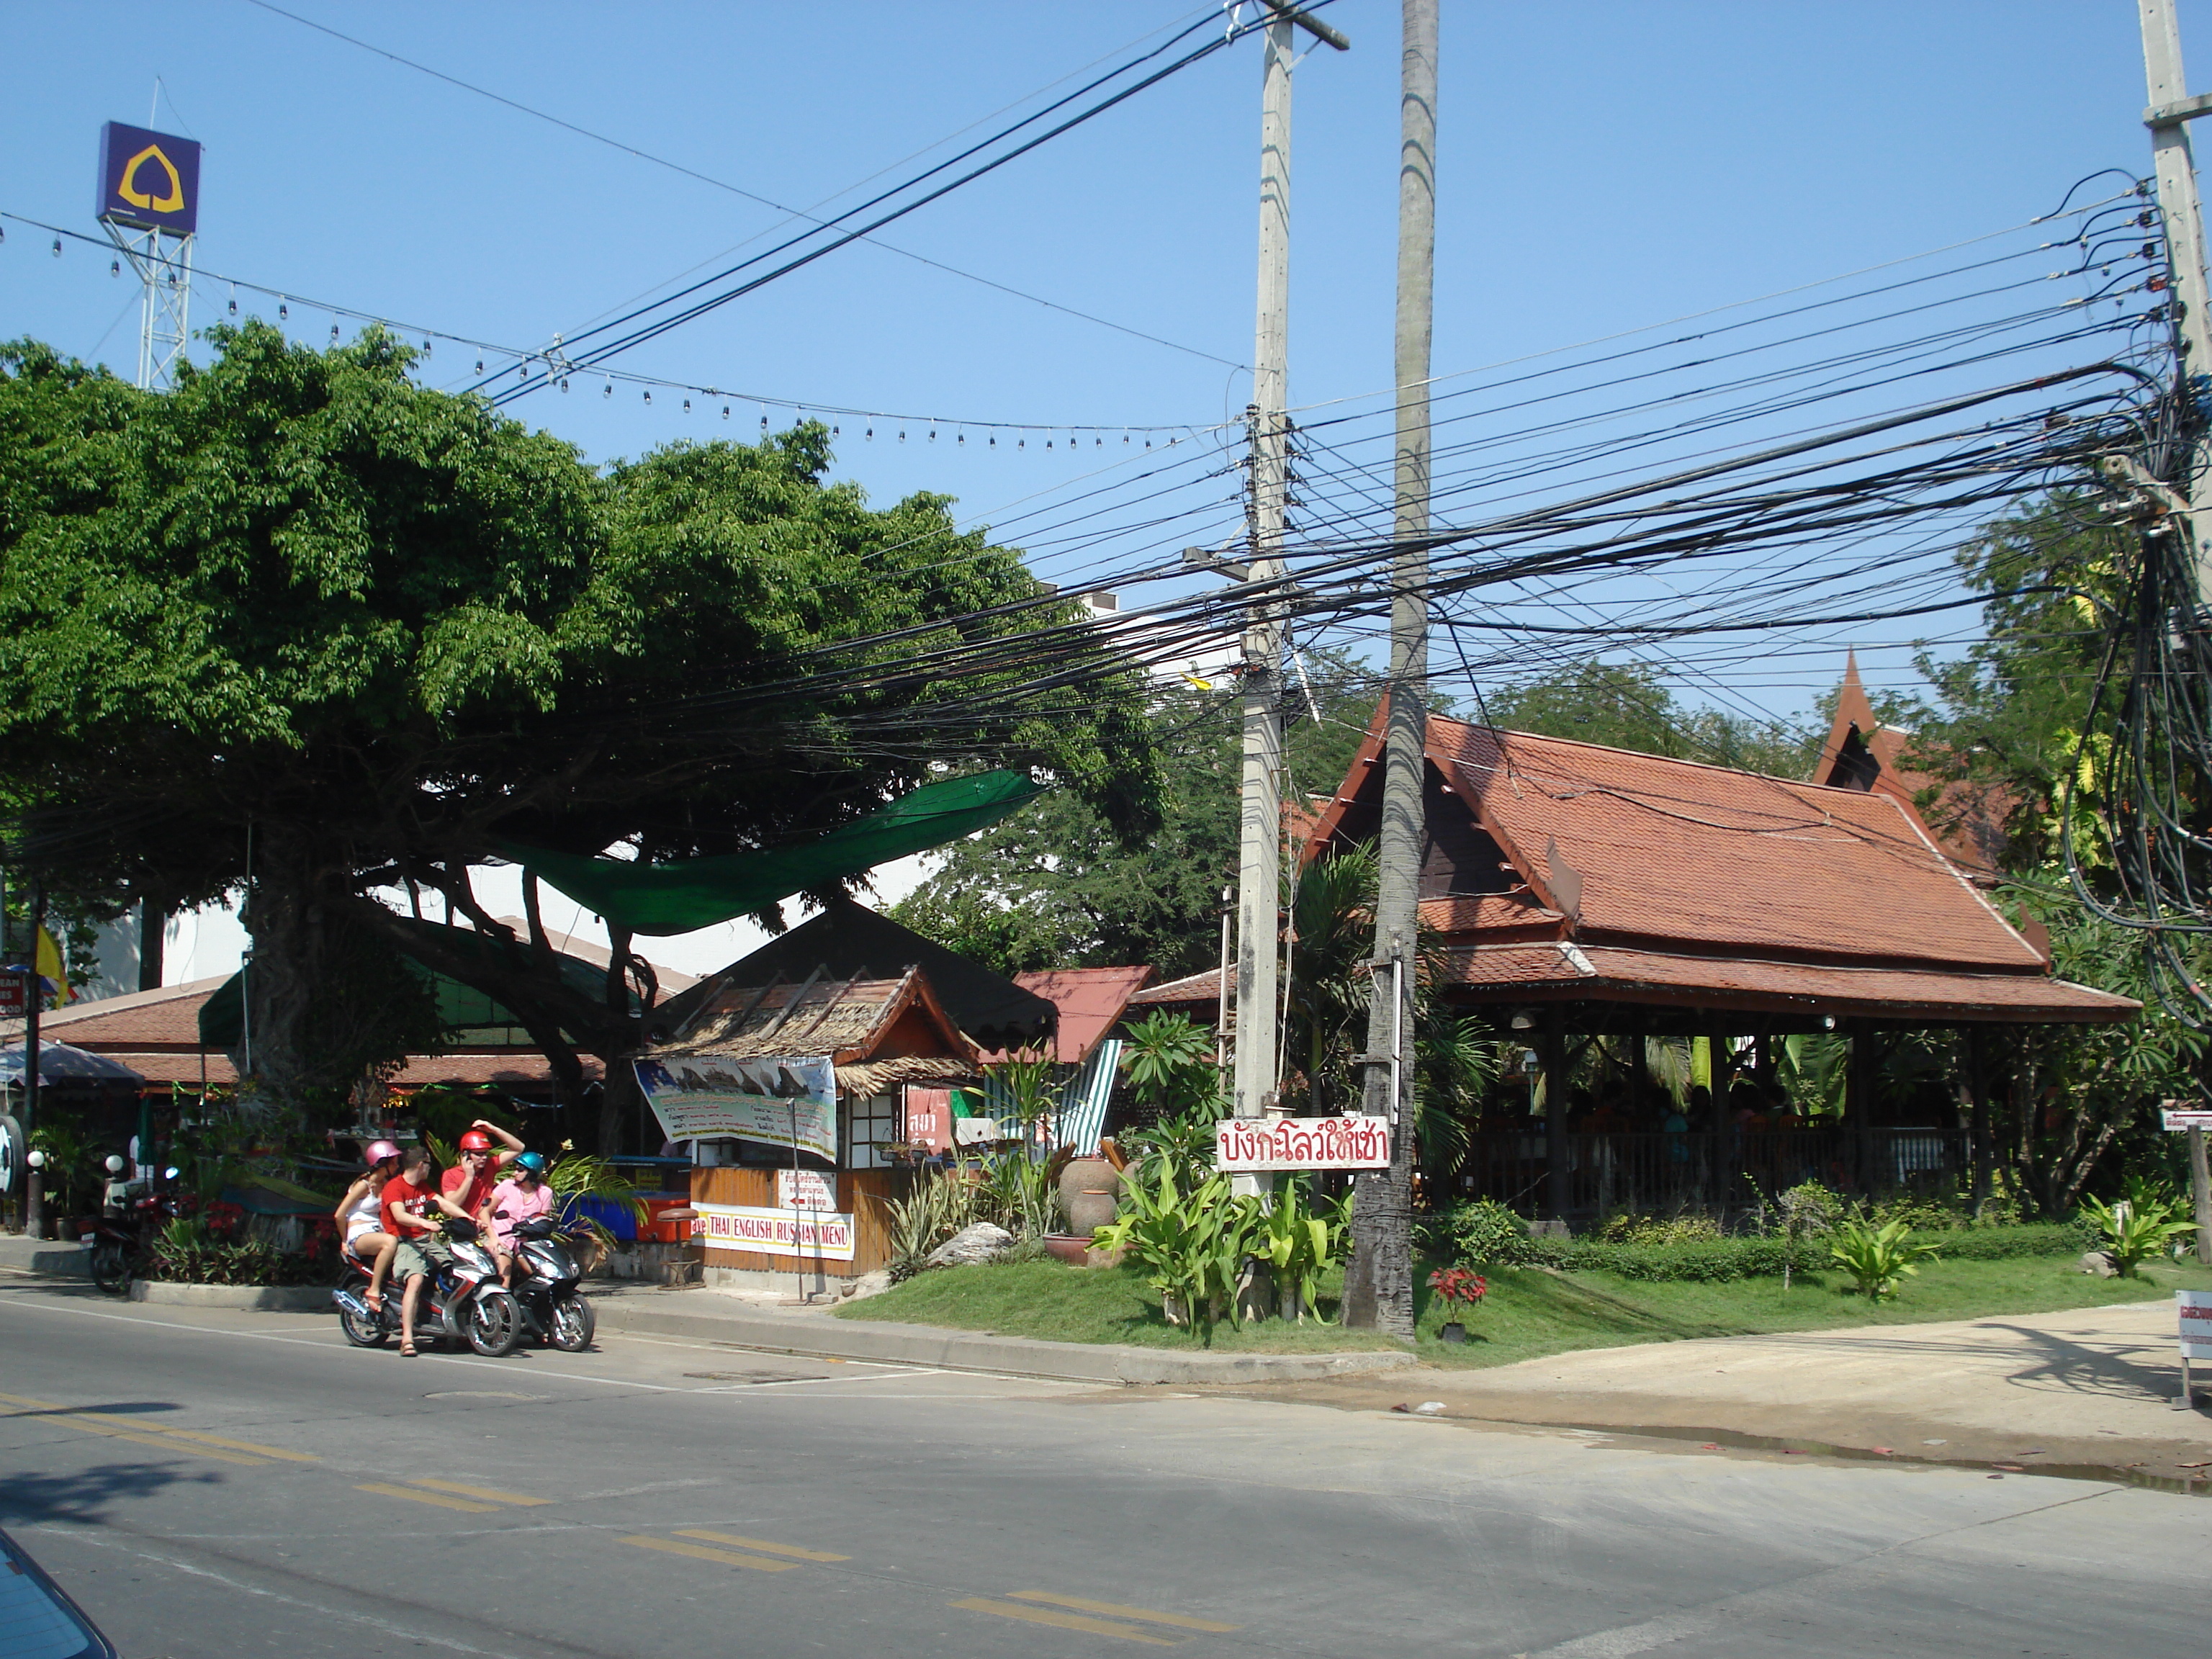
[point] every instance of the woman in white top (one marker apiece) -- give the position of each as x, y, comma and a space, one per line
359, 1216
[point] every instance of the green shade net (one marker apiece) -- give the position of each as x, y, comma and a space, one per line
676, 899
461, 1007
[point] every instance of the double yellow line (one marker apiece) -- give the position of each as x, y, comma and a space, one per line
140, 1433
472, 1500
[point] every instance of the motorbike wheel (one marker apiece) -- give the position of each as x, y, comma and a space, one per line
573, 1322
492, 1322
111, 1269
367, 1332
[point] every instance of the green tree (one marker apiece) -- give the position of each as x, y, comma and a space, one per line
1629, 705
1055, 888
304, 627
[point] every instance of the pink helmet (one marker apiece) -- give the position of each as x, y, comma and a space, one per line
378, 1150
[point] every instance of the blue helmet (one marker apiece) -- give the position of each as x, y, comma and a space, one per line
533, 1162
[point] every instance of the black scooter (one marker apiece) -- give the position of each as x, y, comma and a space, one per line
546, 1277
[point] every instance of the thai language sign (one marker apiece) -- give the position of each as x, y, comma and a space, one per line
2196, 1323
805, 1189
785, 1103
812, 1234
1300, 1143
2177, 1120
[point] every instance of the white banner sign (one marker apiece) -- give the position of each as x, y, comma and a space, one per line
2185, 1120
2196, 1323
805, 1189
1300, 1143
808, 1233
784, 1103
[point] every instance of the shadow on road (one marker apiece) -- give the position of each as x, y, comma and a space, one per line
89, 1494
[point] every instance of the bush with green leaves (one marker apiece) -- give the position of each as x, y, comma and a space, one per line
1878, 1258
2132, 1232
1300, 1238
1690, 1227
1483, 1232
1195, 1244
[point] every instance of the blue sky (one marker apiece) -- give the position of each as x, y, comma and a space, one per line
1601, 167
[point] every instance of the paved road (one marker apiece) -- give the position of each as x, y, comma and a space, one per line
235, 1485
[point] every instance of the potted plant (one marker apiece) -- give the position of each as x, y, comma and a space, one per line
1458, 1284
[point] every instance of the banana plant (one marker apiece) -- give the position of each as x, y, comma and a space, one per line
2134, 1232
1300, 1245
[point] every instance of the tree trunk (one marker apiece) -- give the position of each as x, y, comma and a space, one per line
294, 889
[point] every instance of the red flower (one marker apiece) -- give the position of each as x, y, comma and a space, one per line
1459, 1284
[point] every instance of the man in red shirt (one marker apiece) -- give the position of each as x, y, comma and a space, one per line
411, 1211
469, 1183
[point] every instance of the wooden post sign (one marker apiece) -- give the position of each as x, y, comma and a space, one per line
2195, 1310
1246, 1145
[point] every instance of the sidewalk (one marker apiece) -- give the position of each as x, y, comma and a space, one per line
754, 1321
2089, 1389
50, 1258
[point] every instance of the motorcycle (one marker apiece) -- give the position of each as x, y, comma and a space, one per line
465, 1301
121, 1240
547, 1275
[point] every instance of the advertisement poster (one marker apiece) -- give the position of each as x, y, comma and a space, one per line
1300, 1143
784, 1103
811, 1234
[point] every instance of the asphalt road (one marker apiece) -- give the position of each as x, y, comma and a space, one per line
229, 1485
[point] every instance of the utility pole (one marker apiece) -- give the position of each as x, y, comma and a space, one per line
1378, 1290
1260, 841
2170, 110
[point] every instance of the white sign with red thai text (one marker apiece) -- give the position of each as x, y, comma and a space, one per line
805, 1189
2188, 1120
1242, 1144
2196, 1323
812, 1234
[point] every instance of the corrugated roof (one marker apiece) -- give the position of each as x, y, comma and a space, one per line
1179, 992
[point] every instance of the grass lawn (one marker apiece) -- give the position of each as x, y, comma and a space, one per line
1529, 1312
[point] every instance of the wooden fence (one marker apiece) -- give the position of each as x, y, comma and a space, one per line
860, 1193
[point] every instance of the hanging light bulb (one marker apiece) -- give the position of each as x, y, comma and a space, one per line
564, 383
1097, 443
648, 396
283, 311
994, 440
57, 247
870, 433
960, 438
115, 267
1148, 443
763, 422
901, 434
608, 391
687, 405
426, 347
1125, 437
234, 307
334, 333
834, 431
932, 435
1021, 443
479, 365
1047, 443
726, 411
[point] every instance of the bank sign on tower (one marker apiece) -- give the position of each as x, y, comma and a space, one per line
148, 180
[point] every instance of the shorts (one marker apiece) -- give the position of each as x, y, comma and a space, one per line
423, 1253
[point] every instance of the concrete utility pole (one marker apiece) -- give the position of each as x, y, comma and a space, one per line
1378, 1289
2170, 110
1259, 843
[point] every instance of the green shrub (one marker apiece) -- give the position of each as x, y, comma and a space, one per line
1484, 1233
2134, 1231
1630, 1228
1879, 1259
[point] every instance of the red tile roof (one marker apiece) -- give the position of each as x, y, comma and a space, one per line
1969, 819
1181, 992
1712, 886
1090, 1001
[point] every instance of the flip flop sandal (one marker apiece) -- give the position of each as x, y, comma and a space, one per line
409, 1350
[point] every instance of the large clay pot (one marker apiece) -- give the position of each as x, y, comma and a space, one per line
1089, 1190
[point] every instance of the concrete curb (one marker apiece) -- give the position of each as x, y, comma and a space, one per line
819, 1336
259, 1299
48, 1257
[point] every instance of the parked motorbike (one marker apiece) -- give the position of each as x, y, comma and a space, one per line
546, 1277
122, 1239
465, 1302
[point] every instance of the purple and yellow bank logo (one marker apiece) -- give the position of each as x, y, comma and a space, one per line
149, 179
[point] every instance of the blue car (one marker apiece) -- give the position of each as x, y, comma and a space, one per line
38, 1620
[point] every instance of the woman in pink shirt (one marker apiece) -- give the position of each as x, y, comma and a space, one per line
523, 1196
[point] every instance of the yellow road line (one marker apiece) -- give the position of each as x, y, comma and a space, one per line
763, 1544
701, 1552
86, 1424
235, 1445
1063, 1621
104, 1422
1145, 1614
429, 1497
489, 1494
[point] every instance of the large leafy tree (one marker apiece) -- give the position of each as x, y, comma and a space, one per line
1630, 705
303, 626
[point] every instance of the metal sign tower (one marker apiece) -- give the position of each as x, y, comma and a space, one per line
148, 204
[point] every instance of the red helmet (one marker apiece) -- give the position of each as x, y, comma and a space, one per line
476, 1141
379, 1151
